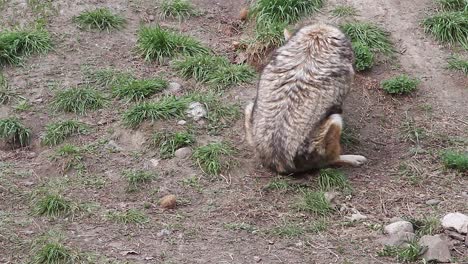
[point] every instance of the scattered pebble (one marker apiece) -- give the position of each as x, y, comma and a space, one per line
397, 227
257, 258
437, 248
154, 162
183, 153
196, 111
456, 221
433, 202
356, 217
168, 201
163, 232
182, 122
151, 18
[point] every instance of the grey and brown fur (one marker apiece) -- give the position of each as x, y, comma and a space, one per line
295, 121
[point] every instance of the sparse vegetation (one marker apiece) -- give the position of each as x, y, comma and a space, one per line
20, 43
315, 202
289, 11
71, 157
453, 5
169, 142
137, 90
54, 205
107, 77
409, 253
158, 44
455, 160
267, 36
52, 252
369, 35
332, 179
136, 178
411, 131
344, 11
428, 225
6, 94
179, 9
456, 63
449, 27
364, 56
399, 85
55, 133
14, 132
287, 230
78, 100
214, 158
100, 19
130, 216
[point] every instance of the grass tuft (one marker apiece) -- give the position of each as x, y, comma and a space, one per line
332, 179
214, 158
408, 253
453, 5
13, 131
169, 142
344, 11
6, 94
455, 160
100, 19
458, 63
136, 178
57, 132
364, 56
130, 216
54, 205
78, 100
20, 43
315, 202
267, 36
167, 107
179, 9
137, 90
289, 11
53, 253
426, 226
399, 85
370, 35
72, 157
106, 78
157, 44
449, 27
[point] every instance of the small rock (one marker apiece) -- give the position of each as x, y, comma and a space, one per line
183, 153
151, 18
168, 201
257, 258
397, 227
456, 221
174, 87
433, 202
299, 244
357, 217
196, 111
182, 122
163, 232
243, 14
437, 248
154, 162
397, 239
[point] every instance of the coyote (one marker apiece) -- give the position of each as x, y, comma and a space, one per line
295, 121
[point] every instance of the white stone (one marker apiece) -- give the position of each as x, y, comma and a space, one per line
397, 227
456, 221
196, 111
183, 153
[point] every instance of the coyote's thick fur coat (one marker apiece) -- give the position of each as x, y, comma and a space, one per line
294, 123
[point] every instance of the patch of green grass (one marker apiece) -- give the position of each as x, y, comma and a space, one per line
169, 142
289, 11
408, 253
370, 35
167, 107
179, 9
130, 216
267, 36
449, 27
399, 85
55, 133
137, 90
19, 43
317, 226
315, 202
71, 156
136, 178
107, 77
232, 74
240, 227
78, 100
54, 205
332, 179
99, 19
13, 131
157, 44
363, 55
214, 158
344, 11
453, 5
53, 253
456, 63
287, 230
279, 184
455, 160
427, 225
22, 105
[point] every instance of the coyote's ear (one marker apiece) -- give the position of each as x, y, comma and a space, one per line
286, 34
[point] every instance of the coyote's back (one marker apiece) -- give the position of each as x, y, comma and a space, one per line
304, 83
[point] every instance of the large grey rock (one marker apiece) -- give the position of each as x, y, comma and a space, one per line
398, 227
183, 153
456, 221
196, 111
397, 239
437, 248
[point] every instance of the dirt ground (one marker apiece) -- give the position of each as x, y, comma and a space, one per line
202, 228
